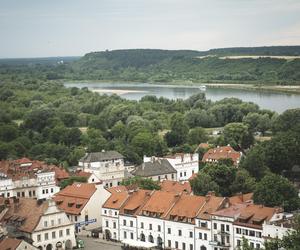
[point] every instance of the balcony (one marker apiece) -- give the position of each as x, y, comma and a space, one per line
222, 232
219, 243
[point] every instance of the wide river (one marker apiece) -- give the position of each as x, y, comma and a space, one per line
135, 91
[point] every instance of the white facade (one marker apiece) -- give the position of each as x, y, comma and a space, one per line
202, 234
54, 228
41, 186
185, 164
110, 172
110, 223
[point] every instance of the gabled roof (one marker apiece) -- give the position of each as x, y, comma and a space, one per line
10, 244
231, 212
241, 198
73, 199
135, 201
175, 186
101, 156
226, 152
117, 199
212, 204
160, 203
27, 210
154, 168
188, 206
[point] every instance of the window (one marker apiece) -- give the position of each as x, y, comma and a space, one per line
238, 242
238, 231
116, 213
200, 236
142, 224
38, 237
159, 178
52, 190
18, 194
183, 246
105, 211
68, 231
258, 234
23, 194
227, 239
131, 223
43, 191
61, 234
59, 221
33, 192
205, 236
86, 217
166, 177
203, 224
172, 176
169, 243
47, 191
53, 235
251, 233
106, 223
125, 235
191, 246
45, 223
131, 236
184, 173
191, 234
222, 227
52, 223
179, 232
124, 222
227, 228
150, 226
169, 230
46, 236
252, 244
180, 174
158, 228
257, 246
115, 225
75, 217
176, 244
30, 194
215, 226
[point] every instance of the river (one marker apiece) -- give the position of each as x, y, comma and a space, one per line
275, 101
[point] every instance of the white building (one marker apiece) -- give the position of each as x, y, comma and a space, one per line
108, 166
82, 203
175, 220
26, 178
185, 165
38, 221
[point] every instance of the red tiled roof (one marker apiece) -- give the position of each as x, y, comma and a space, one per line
60, 173
218, 153
83, 174
175, 186
135, 201
213, 204
9, 244
73, 199
241, 198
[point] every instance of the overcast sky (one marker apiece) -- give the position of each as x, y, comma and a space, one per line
37, 28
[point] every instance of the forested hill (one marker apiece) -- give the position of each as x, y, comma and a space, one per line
194, 66
258, 65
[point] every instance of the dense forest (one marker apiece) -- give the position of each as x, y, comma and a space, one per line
153, 65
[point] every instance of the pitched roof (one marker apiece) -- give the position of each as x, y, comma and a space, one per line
26, 210
160, 202
83, 174
60, 173
73, 198
241, 198
117, 198
226, 152
154, 168
212, 204
232, 211
188, 206
135, 201
10, 244
101, 156
175, 186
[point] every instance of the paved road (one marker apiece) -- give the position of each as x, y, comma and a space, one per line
93, 244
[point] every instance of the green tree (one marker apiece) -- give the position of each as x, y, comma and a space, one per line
275, 190
196, 136
143, 183
179, 131
203, 183
243, 183
238, 135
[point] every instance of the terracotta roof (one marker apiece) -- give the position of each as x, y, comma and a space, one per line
193, 176
101, 156
188, 206
73, 199
135, 201
83, 174
117, 198
160, 203
240, 198
213, 204
175, 186
232, 211
154, 168
117, 189
218, 153
60, 173
10, 244
26, 210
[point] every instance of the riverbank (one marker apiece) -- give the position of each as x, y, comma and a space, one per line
292, 89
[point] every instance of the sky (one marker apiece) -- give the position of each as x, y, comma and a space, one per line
42, 28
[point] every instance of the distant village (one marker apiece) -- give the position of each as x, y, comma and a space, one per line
36, 213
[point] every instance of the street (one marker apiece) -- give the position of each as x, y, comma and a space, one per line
96, 244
